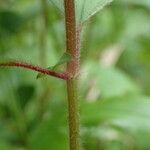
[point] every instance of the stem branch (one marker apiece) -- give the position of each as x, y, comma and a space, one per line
60, 75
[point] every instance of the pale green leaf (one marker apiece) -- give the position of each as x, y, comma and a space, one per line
64, 59
59, 4
84, 8
87, 8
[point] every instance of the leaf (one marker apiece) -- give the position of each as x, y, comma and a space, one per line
4, 145
145, 3
25, 93
52, 135
130, 112
59, 4
66, 57
128, 115
53, 130
107, 82
7, 18
84, 8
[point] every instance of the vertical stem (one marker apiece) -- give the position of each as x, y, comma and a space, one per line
72, 45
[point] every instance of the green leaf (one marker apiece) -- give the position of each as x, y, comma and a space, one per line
128, 115
53, 130
84, 8
108, 82
131, 112
25, 93
59, 4
53, 137
145, 3
7, 18
4, 145
66, 57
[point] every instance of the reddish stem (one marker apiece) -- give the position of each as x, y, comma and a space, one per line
73, 46
61, 75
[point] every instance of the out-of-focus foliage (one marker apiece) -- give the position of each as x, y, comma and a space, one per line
84, 8
114, 84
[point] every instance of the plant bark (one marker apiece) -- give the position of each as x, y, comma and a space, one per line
72, 46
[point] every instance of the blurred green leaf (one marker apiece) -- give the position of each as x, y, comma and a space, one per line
52, 132
109, 82
5, 146
107, 137
84, 8
128, 115
66, 57
9, 23
25, 93
128, 112
5, 111
145, 3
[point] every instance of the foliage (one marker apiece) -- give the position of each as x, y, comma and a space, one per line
84, 8
114, 86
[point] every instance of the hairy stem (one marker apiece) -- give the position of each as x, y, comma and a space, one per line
60, 75
72, 44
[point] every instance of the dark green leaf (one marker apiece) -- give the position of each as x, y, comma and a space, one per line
25, 93
9, 23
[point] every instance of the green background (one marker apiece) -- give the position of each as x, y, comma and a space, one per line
114, 85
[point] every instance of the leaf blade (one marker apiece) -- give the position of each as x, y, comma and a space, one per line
85, 9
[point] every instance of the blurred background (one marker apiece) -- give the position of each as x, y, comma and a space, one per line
114, 84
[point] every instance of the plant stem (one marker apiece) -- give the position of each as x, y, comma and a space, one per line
60, 75
72, 44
